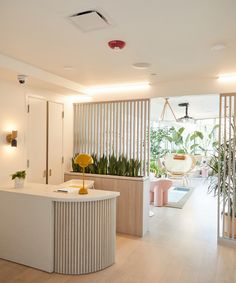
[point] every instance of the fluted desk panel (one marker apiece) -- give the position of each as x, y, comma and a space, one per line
65, 233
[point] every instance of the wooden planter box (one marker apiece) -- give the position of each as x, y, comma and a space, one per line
132, 213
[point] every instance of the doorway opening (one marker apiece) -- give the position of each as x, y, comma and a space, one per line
184, 133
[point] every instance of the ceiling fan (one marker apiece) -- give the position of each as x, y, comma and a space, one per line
186, 118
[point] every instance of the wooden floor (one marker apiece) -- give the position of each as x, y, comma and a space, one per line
180, 248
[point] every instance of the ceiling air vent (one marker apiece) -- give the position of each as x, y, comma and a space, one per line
89, 20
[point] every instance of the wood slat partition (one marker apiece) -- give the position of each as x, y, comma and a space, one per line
227, 197
119, 127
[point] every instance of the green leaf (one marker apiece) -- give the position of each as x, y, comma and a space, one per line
193, 146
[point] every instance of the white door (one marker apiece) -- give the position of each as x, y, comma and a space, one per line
36, 141
55, 143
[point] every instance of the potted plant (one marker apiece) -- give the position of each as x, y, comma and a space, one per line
222, 183
19, 178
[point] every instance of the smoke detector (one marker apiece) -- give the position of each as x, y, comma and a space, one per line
116, 44
89, 20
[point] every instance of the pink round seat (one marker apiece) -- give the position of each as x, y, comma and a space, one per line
159, 191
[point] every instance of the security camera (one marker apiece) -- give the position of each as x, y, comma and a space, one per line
21, 79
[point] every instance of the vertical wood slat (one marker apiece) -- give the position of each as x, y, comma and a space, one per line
138, 131
224, 173
89, 118
119, 127
148, 136
219, 230
141, 139
227, 135
127, 131
111, 129
124, 128
101, 129
98, 140
107, 130
104, 117
233, 162
114, 123
76, 127
229, 161
145, 139
134, 130
131, 129
84, 128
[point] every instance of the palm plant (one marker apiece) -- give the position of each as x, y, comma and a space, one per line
222, 179
209, 141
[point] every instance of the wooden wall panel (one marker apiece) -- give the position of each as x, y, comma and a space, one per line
119, 127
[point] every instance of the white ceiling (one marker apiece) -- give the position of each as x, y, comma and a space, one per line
200, 107
174, 36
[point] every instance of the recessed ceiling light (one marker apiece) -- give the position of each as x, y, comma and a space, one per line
227, 78
118, 88
218, 47
141, 65
68, 68
154, 74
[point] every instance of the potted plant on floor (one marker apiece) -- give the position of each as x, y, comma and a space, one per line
222, 183
19, 178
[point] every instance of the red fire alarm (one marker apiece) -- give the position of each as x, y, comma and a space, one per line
116, 44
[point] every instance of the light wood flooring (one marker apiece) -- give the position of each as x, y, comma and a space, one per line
179, 248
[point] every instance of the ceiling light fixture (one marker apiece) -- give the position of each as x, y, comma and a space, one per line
141, 65
118, 88
227, 78
186, 118
68, 68
218, 47
163, 113
116, 44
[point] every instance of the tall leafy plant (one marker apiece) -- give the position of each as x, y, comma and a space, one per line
157, 137
222, 180
111, 165
209, 142
102, 165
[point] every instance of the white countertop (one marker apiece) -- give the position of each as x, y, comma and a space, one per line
87, 175
50, 191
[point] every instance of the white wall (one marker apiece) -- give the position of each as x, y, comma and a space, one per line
13, 116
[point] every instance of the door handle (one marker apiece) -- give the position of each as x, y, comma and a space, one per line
44, 174
50, 172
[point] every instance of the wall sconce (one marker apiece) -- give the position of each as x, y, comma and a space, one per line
11, 138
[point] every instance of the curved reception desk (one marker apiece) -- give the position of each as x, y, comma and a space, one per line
44, 227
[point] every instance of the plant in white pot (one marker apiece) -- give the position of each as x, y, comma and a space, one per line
19, 178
